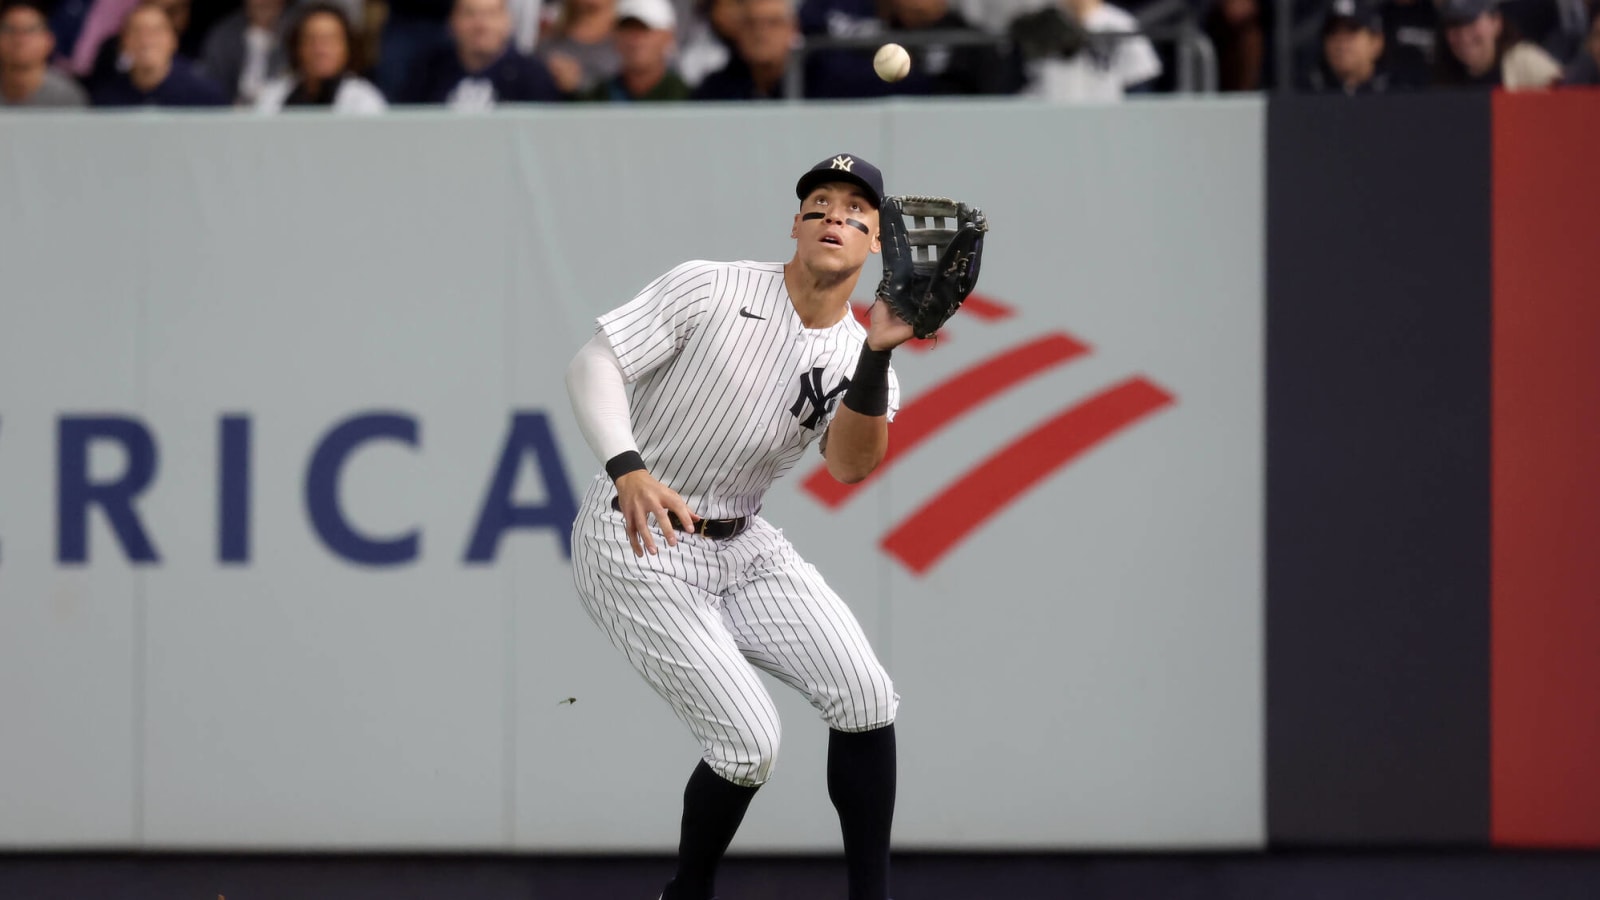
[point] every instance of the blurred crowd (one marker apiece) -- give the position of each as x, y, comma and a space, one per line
364, 56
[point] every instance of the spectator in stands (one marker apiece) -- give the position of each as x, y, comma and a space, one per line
767, 32
1352, 51
1113, 58
579, 50
156, 75
1237, 31
1485, 50
1411, 39
322, 67
26, 43
935, 68
482, 69
245, 50
949, 69
1559, 26
646, 30
413, 31
843, 73
104, 58
1585, 67
99, 25
708, 41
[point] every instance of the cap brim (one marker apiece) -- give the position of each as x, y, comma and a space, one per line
641, 20
810, 180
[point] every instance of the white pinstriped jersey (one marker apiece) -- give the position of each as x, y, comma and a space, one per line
729, 387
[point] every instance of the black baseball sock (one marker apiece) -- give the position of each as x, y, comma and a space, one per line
861, 776
713, 807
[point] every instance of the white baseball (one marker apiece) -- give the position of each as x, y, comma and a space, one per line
892, 62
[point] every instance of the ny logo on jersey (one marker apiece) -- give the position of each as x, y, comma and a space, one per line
811, 389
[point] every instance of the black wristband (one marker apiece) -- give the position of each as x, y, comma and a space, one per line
868, 393
623, 463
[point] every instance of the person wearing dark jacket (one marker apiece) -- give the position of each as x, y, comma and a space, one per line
935, 68
413, 31
767, 30
245, 50
1483, 49
156, 76
1352, 51
481, 69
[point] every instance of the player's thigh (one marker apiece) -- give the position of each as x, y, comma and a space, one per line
789, 622
673, 634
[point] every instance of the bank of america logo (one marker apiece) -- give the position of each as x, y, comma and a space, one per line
927, 535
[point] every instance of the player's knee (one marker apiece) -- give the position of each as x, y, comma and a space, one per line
869, 702
747, 758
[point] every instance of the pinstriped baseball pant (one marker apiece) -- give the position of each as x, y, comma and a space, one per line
698, 619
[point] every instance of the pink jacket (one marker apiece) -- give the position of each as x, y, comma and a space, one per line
104, 20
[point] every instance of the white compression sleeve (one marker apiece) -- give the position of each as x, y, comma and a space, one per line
599, 396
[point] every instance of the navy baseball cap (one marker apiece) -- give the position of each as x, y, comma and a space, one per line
1359, 13
844, 167
1460, 12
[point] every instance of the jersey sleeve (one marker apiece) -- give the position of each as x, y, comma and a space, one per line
649, 330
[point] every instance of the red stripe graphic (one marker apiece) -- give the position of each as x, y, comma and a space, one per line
1545, 637
985, 308
930, 412
947, 519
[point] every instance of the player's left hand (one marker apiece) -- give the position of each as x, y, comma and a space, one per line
885, 329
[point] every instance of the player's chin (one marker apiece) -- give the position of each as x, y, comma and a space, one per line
834, 259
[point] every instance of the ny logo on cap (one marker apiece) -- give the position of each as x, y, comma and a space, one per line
843, 162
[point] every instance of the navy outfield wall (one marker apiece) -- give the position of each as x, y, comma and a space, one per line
1377, 470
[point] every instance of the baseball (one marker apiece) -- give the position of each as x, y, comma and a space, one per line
892, 62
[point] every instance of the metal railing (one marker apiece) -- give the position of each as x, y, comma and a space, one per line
1196, 57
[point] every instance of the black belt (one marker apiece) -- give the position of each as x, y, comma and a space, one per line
715, 529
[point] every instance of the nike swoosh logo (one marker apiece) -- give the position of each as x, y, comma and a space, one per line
750, 315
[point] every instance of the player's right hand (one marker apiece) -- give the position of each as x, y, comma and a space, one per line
641, 496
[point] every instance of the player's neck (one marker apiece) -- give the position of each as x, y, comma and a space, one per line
821, 300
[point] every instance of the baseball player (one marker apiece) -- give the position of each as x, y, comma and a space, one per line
736, 368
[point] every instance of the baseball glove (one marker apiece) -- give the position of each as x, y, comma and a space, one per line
930, 268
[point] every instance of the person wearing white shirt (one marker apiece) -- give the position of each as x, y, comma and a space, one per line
322, 49
1113, 61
